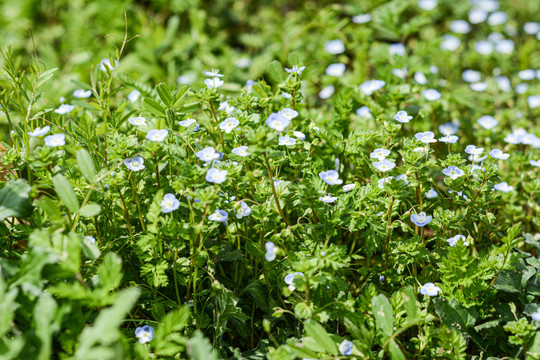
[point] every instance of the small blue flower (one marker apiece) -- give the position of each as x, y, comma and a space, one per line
169, 203
453, 172
449, 139
219, 216
134, 95
213, 73
289, 279
55, 140
402, 117
334, 47
430, 289
473, 150
213, 83
64, 109
137, 121
216, 176
82, 94
277, 122
487, 122
504, 187
144, 334
426, 137
346, 348
328, 198
454, 240
208, 154
431, 94
535, 162
498, 154
364, 112
336, 69
243, 210
39, 131
288, 113
188, 122
295, 70
157, 135
370, 86
379, 154
134, 164
229, 124
331, 177
240, 151
287, 141
421, 219
384, 165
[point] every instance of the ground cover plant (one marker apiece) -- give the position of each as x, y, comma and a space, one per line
281, 180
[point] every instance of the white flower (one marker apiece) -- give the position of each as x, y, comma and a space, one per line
134, 95
295, 69
400, 73
243, 210
361, 18
427, 4
288, 113
381, 182
448, 128
186, 79
420, 78
82, 94
242, 63
89, 240
454, 240
187, 123
396, 49
300, 135
213, 73
335, 69
478, 87
477, 16
505, 46
346, 348
134, 164
536, 315
208, 154
55, 140
364, 112
498, 154
224, 106
522, 88
105, 64
487, 122
137, 121
271, 251
449, 139
402, 117
535, 162
533, 101
240, 151
64, 109
379, 154
40, 131
473, 150
331, 177
169, 203
348, 187
431, 194
531, 28
450, 43
484, 47
328, 198
213, 83
334, 47
471, 76
219, 216
430, 289
426, 137
216, 176
157, 135
431, 94
286, 140
504, 83
504, 187
370, 86
460, 26
326, 92
229, 124
286, 95
384, 165
497, 18
289, 279
277, 122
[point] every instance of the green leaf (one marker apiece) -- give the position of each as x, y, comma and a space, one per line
46, 76
456, 316
395, 351
384, 318
44, 313
199, 348
14, 199
154, 107
409, 302
321, 337
65, 192
169, 340
86, 164
164, 94
276, 72
81, 84
90, 210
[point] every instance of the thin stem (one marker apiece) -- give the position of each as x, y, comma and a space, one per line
274, 190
